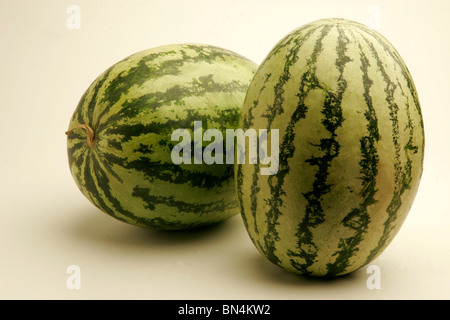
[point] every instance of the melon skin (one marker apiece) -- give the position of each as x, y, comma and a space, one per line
351, 140
132, 109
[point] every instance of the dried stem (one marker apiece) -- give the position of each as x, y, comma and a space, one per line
90, 134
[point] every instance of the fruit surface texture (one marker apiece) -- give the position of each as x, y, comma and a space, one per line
351, 149
120, 135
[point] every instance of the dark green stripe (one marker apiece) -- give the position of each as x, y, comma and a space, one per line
162, 224
295, 35
287, 148
209, 54
165, 129
247, 122
276, 108
90, 186
392, 52
298, 39
174, 173
254, 189
145, 71
104, 185
108, 167
175, 95
249, 117
239, 184
407, 76
78, 114
314, 215
137, 75
78, 141
197, 208
91, 105
358, 218
401, 176
79, 174
227, 119
80, 111
272, 111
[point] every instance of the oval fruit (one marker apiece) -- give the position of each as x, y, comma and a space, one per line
351, 149
120, 135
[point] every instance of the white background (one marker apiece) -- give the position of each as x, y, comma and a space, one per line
46, 224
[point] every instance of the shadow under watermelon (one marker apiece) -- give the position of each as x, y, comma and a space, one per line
101, 229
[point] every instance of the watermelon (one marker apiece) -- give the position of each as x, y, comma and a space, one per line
120, 140
351, 149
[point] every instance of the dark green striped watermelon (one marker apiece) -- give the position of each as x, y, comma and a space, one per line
119, 139
351, 142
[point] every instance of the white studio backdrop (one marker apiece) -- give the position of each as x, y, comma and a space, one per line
53, 50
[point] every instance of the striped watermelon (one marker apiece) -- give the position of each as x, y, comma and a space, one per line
351, 142
119, 139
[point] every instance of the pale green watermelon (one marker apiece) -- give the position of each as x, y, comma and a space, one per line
351, 149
